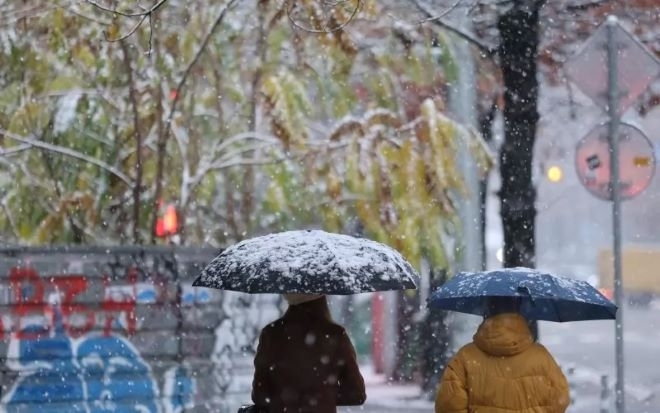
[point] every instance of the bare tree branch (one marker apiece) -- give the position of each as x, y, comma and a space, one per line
68, 152
141, 16
15, 150
10, 218
586, 5
128, 34
193, 63
487, 50
10, 16
443, 14
167, 130
245, 162
290, 4
137, 135
225, 143
73, 10
147, 12
210, 162
571, 97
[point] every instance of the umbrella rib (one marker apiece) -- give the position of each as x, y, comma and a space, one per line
554, 304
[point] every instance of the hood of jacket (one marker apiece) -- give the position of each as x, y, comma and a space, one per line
505, 334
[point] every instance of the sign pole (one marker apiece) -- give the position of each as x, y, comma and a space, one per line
613, 106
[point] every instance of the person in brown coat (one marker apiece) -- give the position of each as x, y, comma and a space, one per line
305, 362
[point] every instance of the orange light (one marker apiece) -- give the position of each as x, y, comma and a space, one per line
168, 224
170, 220
160, 228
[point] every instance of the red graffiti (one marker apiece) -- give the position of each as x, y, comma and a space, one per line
45, 296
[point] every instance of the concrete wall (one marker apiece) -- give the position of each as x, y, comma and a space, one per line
122, 331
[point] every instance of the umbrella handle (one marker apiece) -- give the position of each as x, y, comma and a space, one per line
525, 290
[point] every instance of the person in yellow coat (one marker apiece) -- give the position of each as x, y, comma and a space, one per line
503, 370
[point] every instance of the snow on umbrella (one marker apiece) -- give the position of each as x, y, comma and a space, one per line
543, 296
308, 261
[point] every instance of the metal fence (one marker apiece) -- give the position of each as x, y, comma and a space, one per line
120, 329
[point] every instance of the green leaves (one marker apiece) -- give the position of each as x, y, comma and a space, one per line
296, 130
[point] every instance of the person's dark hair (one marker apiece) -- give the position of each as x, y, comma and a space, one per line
500, 305
317, 308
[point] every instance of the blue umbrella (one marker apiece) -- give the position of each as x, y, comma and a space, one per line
543, 296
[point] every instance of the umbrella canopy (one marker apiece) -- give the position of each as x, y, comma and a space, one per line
308, 261
543, 296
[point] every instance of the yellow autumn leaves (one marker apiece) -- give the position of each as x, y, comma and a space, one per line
400, 179
355, 117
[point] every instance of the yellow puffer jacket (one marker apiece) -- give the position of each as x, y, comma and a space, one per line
503, 371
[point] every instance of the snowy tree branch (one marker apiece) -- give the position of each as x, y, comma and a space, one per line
290, 4
229, 156
212, 162
15, 150
586, 5
198, 55
225, 143
10, 218
137, 135
443, 14
487, 50
9, 17
147, 12
245, 162
68, 152
181, 145
141, 17
167, 130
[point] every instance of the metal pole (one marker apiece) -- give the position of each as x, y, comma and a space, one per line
613, 98
463, 105
605, 402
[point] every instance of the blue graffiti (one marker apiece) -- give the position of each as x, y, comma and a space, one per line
177, 389
195, 296
148, 295
92, 374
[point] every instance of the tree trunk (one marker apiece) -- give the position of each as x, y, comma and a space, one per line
407, 338
486, 129
518, 50
435, 341
137, 135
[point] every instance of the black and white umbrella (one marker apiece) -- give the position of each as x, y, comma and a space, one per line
308, 261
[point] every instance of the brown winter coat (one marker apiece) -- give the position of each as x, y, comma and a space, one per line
306, 363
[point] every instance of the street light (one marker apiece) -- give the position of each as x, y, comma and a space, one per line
554, 174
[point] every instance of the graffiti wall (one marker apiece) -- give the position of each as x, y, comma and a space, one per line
122, 331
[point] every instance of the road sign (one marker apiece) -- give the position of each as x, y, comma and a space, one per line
636, 162
613, 69
588, 69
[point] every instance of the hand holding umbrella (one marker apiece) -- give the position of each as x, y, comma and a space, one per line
304, 266
501, 368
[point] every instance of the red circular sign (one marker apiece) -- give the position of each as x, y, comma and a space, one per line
636, 162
